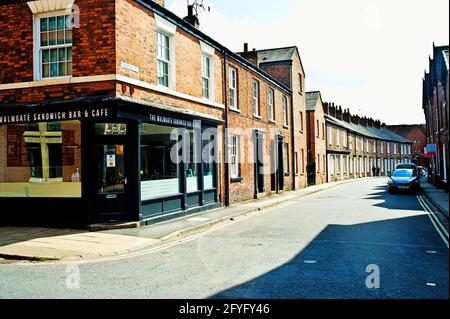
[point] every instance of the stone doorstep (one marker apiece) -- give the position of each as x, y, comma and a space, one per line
113, 226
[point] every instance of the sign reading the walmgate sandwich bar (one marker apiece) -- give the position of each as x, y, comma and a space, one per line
46, 116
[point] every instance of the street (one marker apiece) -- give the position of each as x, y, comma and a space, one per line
317, 247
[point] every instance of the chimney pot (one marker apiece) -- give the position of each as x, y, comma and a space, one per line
245, 47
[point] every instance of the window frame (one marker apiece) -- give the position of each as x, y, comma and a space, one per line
163, 60
234, 156
38, 49
207, 77
271, 102
285, 112
233, 96
255, 98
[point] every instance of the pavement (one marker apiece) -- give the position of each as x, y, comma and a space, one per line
42, 244
438, 197
354, 241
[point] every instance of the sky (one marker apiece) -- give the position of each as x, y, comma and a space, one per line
365, 55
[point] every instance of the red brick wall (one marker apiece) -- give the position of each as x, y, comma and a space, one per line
93, 41
281, 72
16, 43
47, 93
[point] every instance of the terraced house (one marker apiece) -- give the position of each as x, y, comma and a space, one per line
361, 147
435, 106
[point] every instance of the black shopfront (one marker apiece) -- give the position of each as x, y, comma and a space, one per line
104, 160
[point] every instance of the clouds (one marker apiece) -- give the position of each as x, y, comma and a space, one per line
368, 55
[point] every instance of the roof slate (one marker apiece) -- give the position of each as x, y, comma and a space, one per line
311, 100
368, 131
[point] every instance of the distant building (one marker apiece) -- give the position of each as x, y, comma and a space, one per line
435, 106
416, 133
360, 146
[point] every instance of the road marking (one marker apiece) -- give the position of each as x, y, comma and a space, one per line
434, 215
431, 284
432, 252
310, 261
429, 214
444, 230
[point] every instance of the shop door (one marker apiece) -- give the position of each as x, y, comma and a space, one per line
111, 178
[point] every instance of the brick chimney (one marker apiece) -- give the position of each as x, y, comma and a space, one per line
363, 121
377, 124
355, 119
339, 112
160, 2
191, 18
346, 116
332, 110
251, 56
370, 122
325, 108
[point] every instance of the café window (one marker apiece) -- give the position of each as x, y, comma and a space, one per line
208, 163
160, 173
42, 160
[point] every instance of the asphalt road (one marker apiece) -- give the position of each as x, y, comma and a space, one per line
317, 247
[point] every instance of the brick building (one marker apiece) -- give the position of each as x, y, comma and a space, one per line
285, 65
316, 139
361, 147
435, 106
416, 134
89, 105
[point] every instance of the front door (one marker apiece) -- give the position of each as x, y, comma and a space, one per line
111, 158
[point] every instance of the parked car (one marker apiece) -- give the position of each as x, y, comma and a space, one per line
404, 180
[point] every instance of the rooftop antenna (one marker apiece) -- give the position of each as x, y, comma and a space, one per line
199, 5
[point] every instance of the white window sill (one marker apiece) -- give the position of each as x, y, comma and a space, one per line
272, 121
285, 126
233, 109
256, 116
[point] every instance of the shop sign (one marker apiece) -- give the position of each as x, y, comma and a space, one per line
170, 121
64, 115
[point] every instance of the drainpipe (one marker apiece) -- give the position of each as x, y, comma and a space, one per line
225, 144
293, 132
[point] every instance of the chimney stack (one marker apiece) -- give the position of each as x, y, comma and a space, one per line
339, 112
347, 116
251, 56
192, 18
325, 108
355, 119
363, 121
377, 124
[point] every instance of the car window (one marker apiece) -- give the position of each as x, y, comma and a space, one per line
404, 173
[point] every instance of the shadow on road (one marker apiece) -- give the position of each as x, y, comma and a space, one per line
333, 265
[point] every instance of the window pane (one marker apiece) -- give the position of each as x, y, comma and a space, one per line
45, 56
52, 23
68, 36
159, 173
45, 70
54, 55
69, 68
40, 162
44, 24
62, 54
62, 69
44, 39
60, 35
52, 38
61, 23
69, 54
54, 69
